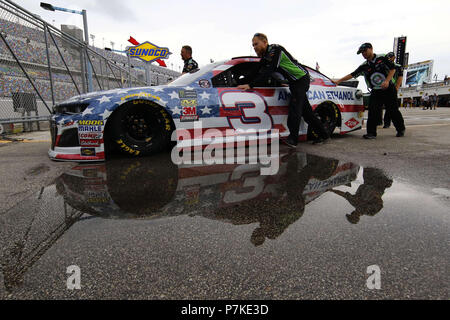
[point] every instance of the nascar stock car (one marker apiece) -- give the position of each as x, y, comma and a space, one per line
140, 121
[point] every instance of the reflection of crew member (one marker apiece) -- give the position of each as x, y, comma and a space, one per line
397, 79
189, 63
378, 72
274, 58
289, 208
367, 199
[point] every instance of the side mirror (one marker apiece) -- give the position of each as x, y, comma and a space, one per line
358, 94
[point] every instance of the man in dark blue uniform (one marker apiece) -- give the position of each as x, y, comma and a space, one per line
378, 72
189, 63
275, 58
397, 80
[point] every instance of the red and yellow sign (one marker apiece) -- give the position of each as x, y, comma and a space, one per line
148, 52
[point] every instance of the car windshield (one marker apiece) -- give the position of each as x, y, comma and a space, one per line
317, 75
190, 77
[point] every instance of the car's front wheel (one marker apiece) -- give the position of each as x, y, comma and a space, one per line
140, 128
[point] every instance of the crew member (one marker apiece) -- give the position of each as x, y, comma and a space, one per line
397, 80
275, 58
378, 71
189, 63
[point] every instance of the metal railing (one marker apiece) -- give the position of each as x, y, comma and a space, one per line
41, 65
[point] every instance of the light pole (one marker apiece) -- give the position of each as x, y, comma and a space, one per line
48, 6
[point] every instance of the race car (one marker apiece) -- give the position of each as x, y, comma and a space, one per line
140, 121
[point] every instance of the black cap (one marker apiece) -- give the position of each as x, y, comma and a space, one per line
363, 47
390, 55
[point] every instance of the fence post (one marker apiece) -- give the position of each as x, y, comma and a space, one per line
83, 71
48, 63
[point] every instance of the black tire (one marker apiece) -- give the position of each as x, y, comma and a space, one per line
140, 128
141, 187
328, 114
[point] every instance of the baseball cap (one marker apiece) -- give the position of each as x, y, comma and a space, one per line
389, 55
363, 47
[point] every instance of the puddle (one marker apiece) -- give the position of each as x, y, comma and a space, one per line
313, 204
442, 192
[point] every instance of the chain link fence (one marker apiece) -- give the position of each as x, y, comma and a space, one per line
41, 65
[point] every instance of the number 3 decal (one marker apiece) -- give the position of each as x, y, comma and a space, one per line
246, 110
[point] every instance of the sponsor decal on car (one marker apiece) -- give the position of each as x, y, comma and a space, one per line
203, 83
90, 142
352, 123
189, 114
90, 132
139, 95
88, 152
341, 95
91, 122
90, 135
187, 94
188, 101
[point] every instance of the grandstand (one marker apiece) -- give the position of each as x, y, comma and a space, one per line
29, 46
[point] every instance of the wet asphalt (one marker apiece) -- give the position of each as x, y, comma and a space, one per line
147, 229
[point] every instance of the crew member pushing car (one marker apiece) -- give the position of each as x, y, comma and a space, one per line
378, 71
189, 63
275, 58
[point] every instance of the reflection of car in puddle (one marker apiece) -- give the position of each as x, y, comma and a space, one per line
233, 193
154, 188
121, 188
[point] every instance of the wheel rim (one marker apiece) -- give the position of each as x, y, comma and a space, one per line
138, 124
328, 119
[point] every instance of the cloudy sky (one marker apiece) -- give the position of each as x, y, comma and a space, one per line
325, 31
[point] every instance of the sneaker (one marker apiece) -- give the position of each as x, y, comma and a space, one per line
291, 143
369, 136
320, 140
400, 133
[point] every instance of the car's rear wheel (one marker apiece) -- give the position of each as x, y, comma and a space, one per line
328, 114
140, 128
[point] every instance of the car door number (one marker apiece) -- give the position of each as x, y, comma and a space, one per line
251, 110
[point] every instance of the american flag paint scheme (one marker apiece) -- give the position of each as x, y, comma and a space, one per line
209, 96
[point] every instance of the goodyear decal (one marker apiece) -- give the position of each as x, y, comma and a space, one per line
166, 120
128, 149
148, 52
139, 95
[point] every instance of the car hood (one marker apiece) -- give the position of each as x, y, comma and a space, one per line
91, 96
